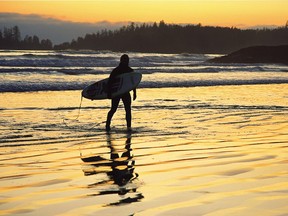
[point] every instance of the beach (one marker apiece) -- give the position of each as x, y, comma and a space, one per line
207, 150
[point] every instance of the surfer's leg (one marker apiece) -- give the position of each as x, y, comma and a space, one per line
127, 104
114, 106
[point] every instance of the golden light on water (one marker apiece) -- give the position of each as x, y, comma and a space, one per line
195, 150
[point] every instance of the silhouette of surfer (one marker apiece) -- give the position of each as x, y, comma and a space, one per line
121, 170
123, 67
122, 164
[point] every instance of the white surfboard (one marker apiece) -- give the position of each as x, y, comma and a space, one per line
120, 85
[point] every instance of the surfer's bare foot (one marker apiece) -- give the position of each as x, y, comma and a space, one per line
108, 128
129, 129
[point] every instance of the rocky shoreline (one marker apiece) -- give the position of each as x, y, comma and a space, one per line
256, 54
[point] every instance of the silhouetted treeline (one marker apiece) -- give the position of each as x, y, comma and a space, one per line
10, 38
162, 37
171, 38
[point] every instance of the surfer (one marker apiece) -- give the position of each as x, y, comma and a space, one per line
123, 67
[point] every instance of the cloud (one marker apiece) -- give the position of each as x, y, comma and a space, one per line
56, 30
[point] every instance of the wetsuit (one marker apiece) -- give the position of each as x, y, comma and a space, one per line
126, 97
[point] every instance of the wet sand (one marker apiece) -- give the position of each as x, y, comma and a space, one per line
193, 151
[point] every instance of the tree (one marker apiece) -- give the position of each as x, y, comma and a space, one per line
46, 44
7, 34
10, 38
16, 35
35, 40
162, 24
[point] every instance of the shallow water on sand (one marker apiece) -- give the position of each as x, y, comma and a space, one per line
193, 151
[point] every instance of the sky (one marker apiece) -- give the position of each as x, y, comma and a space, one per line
97, 14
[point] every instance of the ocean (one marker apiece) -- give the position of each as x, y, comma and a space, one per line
23, 71
207, 139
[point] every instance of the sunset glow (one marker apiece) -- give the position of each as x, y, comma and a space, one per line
239, 13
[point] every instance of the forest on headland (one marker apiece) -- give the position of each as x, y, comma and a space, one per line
11, 38
157, 37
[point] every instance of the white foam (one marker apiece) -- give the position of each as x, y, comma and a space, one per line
50, 70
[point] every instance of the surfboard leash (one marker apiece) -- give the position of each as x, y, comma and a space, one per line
79, 109
78, 115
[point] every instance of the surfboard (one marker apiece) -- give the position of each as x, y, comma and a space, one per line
120, 85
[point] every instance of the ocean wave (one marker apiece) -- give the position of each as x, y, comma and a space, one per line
53, 70
73, 70
61, 86
144, 69
89, 58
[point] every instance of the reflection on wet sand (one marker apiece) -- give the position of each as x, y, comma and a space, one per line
119, 169
213, 151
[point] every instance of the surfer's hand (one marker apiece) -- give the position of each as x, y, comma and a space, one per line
134, 96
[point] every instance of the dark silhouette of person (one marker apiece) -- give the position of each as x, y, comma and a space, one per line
119, 174
122, 68
121, 170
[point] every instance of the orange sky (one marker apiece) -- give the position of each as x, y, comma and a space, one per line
239, 13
